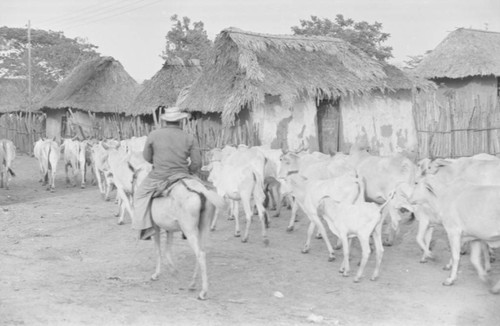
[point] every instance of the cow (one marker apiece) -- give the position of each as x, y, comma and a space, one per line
358, 219
239, 176
479, 169
7, 156
101, 166
47, 153
308, 194
127, 171
468, 212
73, 151
386, 176
312, 166
86, 161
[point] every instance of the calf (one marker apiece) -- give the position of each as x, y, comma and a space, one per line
7, 155
359, 219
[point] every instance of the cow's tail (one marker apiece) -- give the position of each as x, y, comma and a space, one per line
361, 190
49, 166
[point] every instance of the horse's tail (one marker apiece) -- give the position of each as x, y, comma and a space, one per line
210, 195
210, 200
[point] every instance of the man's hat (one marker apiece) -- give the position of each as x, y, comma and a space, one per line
174, 114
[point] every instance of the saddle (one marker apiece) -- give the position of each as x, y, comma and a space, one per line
163, 190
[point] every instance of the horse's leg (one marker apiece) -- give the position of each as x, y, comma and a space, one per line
192, 237
168, 252
156, 237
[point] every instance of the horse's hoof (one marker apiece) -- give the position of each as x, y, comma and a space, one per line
212, 229
446, 268
120, 223
202, 296
244, 240
305, 251
357, 280
82, 186
387, 243
230, 218
373, 278
448, 282
266, 242
423, 261
276, 215
331, 258
346, 274
52, 190
155, 277
289, 229
319, 236
237, 235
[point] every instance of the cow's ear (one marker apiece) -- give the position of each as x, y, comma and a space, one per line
442, 162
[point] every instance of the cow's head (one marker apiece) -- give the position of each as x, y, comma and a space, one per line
289, 164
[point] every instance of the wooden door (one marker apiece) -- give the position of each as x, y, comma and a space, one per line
329, 127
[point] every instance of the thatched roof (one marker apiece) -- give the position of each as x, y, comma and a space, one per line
464, 52
247, 66
98, 85
164, 87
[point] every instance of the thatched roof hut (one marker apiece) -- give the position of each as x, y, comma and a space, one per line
164, 87
98, 85
464, 52
246, 66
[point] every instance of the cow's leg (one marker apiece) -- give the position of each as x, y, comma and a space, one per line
1, 176
364, 241
263, 218
422, 235
379, 249
235, 212
83, 170
322, 232
233, 209
214, 220
496, 288
74, 170
156, 237
66, 171
476, 248
345, 267
245, 201
454, 239
275, 195
194, 242
293, 215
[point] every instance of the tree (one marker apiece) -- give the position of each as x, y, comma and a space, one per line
53, 55
367, 37
187, 42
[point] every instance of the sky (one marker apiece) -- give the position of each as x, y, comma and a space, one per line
133, 31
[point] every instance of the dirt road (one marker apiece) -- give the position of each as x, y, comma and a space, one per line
65, 261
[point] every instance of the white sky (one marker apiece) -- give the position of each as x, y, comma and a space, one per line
133, 31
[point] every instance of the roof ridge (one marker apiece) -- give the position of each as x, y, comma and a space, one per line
476, 30
285, 36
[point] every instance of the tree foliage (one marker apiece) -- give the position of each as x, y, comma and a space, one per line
367, 37
186, 41
53, 55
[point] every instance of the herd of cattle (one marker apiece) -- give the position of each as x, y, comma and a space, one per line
356, 194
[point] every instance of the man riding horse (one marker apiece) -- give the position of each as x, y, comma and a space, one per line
168, 149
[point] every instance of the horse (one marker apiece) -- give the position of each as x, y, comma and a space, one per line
187, 206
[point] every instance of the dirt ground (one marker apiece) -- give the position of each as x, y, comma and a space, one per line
65, 261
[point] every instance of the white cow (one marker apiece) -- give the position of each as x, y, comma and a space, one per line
240, 177
475, 170
308, 194
359, 219
72, 152
7, 155
468, 212
101, 166
386, 176
48, 153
